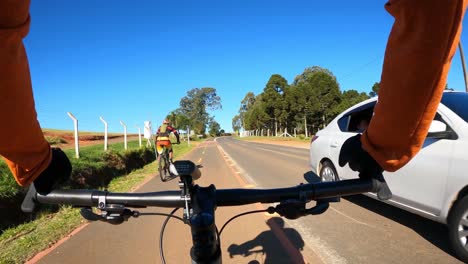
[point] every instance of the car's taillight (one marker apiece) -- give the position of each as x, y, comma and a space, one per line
313, 139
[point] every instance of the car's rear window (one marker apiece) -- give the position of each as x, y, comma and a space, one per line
458, 103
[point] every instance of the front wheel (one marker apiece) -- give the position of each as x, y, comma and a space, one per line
163, 167
458, 229
328, 172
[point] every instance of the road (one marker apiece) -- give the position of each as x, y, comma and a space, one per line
356, 230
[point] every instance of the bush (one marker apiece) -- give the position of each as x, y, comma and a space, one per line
96, 171
55, 140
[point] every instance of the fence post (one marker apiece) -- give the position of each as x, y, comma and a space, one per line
105, 132
139, 135
75, 124
188, 136
125, 134
294, 132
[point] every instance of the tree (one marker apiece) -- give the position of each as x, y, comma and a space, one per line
348, 99
178, 119
316, 92
246, 104
236, 123
256, 117
308, 71
273, 97
214, 128
195, 105
375, 89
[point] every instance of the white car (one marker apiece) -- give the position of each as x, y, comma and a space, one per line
434, 184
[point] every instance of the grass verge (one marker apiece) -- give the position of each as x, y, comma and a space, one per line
22, 242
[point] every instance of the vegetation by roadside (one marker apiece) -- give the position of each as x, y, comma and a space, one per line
20, 243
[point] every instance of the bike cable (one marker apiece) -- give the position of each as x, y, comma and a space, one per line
239, 215
161, 234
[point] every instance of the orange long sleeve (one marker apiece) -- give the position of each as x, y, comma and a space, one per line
419, 52
22, 142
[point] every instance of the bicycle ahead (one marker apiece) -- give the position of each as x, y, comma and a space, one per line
164, 164
200, 203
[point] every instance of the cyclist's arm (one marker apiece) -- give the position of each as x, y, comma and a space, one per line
420, 48
22, 143
173, 130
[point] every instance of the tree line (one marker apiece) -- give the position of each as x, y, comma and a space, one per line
311, 101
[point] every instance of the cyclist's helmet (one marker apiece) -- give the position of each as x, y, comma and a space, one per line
166, 121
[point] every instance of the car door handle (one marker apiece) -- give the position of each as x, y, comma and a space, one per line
334, 145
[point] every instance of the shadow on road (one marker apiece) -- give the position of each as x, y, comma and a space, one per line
277, 245
434, 232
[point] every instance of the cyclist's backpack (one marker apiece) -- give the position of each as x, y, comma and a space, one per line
163, 132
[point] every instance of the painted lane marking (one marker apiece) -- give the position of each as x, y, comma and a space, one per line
351, 218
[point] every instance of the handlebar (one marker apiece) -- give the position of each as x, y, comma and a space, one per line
199, 203
224, 197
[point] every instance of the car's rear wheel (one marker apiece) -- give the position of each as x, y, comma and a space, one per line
458, 229
328, 172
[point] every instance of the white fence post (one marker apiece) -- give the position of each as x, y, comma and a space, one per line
105, 132
139, 135
125, 134
188, 136
75, 123
294, 132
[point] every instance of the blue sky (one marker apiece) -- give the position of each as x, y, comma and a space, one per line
134, 60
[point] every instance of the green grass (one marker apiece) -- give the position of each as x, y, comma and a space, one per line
8, 185
24, 241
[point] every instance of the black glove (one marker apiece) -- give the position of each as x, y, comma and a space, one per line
58, 171
358, 159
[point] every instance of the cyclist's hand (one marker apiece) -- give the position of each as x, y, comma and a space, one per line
58, 171
358, 159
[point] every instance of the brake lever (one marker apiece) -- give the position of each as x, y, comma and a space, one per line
293, 209
112, 214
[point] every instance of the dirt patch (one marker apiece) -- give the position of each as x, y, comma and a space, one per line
66, 139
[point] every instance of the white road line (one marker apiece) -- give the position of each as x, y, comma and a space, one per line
240, 170
352, 219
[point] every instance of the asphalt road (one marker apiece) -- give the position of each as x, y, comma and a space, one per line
356, 230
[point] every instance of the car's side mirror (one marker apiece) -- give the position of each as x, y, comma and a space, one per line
440, 130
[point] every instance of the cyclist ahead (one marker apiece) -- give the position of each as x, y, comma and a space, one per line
162, 138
